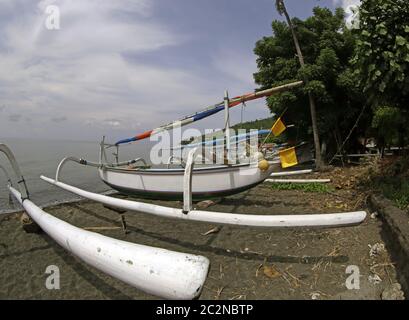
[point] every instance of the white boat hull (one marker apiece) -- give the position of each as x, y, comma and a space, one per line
207, 182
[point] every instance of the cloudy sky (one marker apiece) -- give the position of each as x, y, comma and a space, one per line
119, 67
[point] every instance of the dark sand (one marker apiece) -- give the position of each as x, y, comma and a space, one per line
308, 262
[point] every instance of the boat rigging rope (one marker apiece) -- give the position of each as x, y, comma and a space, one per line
21, 181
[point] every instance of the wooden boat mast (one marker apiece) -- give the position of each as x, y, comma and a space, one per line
227, 123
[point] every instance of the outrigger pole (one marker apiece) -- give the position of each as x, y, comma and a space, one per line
213, 110
227, 123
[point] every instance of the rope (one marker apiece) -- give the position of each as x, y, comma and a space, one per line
282, 113
349, 134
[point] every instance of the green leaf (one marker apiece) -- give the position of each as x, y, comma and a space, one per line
365, 33
388, 54
376, 75
381, 28
382, 86
407, 29
400, 41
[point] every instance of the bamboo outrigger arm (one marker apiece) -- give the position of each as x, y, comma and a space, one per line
164, 273
294, 220
21, 182
171, 160
290, 173
298, 181
187, 181
94, 164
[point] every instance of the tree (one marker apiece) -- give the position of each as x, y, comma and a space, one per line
382, 52
391, 126
327, 48
381, 64
283, 10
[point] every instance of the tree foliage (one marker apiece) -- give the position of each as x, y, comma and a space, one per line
382, 52
387, 120
327, 46
381, 65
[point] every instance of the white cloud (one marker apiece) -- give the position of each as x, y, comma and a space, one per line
351, 10
80, 74
80, 70
237, 65
346, 3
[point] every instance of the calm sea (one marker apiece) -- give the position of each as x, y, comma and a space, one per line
37, 158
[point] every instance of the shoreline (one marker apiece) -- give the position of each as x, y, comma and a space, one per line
53, 203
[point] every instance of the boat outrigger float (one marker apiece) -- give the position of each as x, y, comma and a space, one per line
164, 273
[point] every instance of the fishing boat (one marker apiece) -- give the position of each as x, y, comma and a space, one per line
191, 181
188, 212
208, 182
136, 177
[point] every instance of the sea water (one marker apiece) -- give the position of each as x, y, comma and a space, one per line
41, 157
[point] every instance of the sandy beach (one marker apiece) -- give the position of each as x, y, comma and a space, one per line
246, 263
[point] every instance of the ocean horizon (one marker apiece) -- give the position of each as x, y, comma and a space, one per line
41, 157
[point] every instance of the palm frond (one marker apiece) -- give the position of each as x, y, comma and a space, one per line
280, 6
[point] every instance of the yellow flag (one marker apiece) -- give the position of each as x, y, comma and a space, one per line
288, 157
278, 127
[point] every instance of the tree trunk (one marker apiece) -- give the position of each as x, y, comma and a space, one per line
401, 140
318, 158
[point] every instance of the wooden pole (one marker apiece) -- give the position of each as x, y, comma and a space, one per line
227, 123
